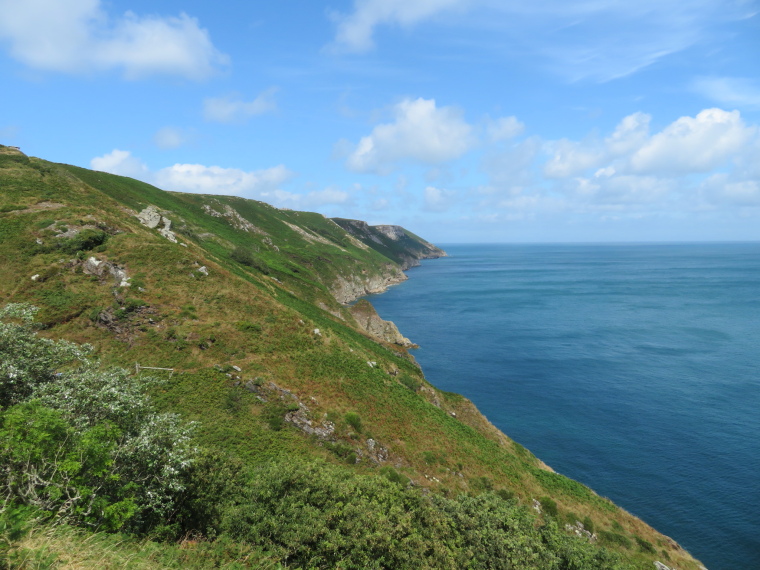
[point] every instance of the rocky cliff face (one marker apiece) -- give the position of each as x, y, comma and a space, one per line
394, 242
371, 323
348, 288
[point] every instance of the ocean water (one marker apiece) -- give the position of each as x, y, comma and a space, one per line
634, 369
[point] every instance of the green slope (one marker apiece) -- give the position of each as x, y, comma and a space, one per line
245, 308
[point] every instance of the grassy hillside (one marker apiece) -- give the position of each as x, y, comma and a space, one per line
240, 304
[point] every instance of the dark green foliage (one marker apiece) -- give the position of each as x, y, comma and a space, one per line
274, 414
315, 515
549, 506
353, 419
84, 241
505, 494
248, 327
84, 444
481, 484
614, 538
212, 483
15, 524
588, 524
645, 545
410, 381
394, 476
245, 256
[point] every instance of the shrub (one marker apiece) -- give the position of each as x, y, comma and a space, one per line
244, 256
394, 476
614, 538
505, 494
353, 419
248, 327
645, 545
84, 444
84, 241
410, 381
481, 484
549, 506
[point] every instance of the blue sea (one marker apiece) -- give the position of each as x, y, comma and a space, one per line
634, 369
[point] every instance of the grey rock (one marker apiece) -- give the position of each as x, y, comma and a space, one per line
150, 217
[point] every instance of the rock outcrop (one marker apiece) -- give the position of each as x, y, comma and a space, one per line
371, 323
347, 289
394, 242
152, 218
99, 268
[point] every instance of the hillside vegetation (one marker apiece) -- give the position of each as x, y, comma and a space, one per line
184, 385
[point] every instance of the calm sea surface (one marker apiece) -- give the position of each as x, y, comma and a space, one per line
634, 369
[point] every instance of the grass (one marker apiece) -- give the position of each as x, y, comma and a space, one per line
260, 317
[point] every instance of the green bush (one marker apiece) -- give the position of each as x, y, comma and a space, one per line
353, 419
84, 444
614, 538
244, 256
410, 381
549, 506
84, 241
394, 476
645, 545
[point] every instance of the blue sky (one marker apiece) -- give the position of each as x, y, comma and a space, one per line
463, 120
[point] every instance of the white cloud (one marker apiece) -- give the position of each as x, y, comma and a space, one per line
421, 132
197, 178
707, 162
572, 157
629, 135
233, 109
734, 91
355, 30
78, 36
504, 128
171, 137
694, 144
437, 199
121, 162
200, 179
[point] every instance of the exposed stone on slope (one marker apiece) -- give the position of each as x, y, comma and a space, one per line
151, 218
394, 242
370, 322
311, 237
579, 530
234, 218
346, 289
99, 268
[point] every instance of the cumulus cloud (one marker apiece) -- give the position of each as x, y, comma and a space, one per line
198, 178
233, 109
201, 179
78, 36
706, 162
121, 162
694, 144
421, 132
